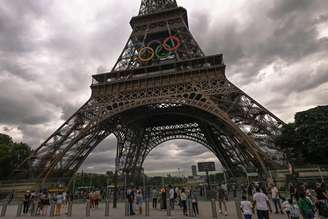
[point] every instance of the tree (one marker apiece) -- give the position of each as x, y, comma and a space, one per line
11, 154
306, 140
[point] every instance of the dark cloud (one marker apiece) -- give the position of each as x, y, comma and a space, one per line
309, 80
287, 31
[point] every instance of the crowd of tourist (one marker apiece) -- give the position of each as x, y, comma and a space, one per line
38, 203
302, 201
164, 197
258, 199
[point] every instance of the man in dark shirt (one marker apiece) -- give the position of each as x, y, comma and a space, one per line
130, 197
321, 193
26, 202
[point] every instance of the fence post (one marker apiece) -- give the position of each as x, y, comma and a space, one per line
190, 211
168, 207
214, 212
87, 209
69, 208
19, 209
4, 209
127, 210
107, 208
147, 207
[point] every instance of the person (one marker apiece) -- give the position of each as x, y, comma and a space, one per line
59, 202
194, 202
97, 197
183, 197
246, 208
130, 197
92, 199
320, 191
139, 201
222, 200
262, 204
26, 202
45, 203
322, 201
306, 206
276, 199
292, 191
285, 205
163, 198
234, 190
171, 196
34, 203
250, 191
293, 211
155, 194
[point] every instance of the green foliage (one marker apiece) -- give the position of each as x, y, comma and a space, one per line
306, 140
11, 154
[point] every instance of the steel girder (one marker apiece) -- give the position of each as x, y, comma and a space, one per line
157, 29
189, 88
152, 6
198, 91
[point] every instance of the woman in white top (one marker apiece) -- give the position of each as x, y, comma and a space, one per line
246, 208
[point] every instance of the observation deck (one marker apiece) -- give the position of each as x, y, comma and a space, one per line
201, 64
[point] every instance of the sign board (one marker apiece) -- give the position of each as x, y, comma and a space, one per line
252, 174
206, 166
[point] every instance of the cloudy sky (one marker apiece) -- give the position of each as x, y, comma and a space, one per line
275, 50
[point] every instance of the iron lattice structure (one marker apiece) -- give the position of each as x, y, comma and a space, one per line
162, 88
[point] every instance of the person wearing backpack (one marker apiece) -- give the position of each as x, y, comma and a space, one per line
293, 210
322, 206
306, 206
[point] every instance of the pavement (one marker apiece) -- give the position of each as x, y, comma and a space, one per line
79, 211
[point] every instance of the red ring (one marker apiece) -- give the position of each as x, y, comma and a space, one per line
166, 47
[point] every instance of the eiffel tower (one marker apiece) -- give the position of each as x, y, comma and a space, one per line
162, 87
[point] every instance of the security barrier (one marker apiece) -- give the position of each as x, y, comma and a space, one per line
19, 209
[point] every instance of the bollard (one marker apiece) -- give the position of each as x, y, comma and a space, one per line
239, 214
127, 208
4, 209
19, 210
168, 207
214, 212
190, 211
107, 203
147, 207
69, 208
52, 210
87, 209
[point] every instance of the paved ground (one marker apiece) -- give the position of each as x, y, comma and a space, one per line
204, 208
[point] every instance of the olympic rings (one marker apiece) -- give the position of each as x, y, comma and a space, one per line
154, 42
171, 39
148, 52
161, 53
157, 48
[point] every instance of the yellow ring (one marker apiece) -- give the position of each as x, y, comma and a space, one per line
150, 57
